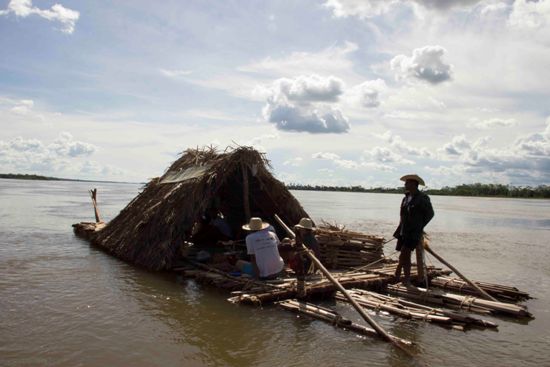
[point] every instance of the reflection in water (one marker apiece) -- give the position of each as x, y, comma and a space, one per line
63, 302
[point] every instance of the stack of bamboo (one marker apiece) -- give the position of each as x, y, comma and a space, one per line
456, 301
414, 311
502, 292
341, 248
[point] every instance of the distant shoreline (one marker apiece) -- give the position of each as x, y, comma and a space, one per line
470, 190
18, 176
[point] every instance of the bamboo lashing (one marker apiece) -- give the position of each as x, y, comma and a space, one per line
455, 270
379, 330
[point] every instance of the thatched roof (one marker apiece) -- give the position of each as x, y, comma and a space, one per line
151, 229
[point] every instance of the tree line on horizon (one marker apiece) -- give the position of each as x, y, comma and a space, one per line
475, 189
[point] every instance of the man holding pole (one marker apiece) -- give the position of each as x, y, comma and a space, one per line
416, 212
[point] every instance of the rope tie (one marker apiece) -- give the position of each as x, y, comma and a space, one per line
468, 301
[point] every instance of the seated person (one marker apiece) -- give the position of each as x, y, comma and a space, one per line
220, 225
262, 246
211, 228
304, 235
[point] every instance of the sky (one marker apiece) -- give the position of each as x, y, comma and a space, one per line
335, 92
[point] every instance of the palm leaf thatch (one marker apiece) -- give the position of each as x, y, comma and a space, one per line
153, 226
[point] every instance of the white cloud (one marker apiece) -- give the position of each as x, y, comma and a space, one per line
309, 88
526, 161
446, 4
397, 143
354, 165
294, 162
22, 107
292, 118
304, 104
458, 146
259, 141
336, 159
528, 14
367, 94
65, 145
360, 8
31, 155
373, 8
385, 155
493, 8
425, 64
175, 73
332, 60
24, 145
24, 8
493, 123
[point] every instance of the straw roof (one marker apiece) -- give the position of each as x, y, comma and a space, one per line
153, 226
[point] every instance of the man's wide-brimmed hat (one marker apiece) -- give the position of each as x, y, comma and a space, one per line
255, 224
305, 223
414, 177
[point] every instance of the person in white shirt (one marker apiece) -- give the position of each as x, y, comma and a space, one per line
262, 246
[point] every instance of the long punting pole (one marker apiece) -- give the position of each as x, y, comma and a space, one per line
379, 330
475, 286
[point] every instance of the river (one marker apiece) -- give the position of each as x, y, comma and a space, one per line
64, 303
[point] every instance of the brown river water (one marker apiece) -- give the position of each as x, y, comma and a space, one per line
64, 303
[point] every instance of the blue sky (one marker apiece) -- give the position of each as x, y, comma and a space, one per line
336, 92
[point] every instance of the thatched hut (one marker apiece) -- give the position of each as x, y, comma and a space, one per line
152, 228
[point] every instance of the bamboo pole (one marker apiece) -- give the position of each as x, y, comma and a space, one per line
328, 315
472, 284
379, 330
93, 194
246, 193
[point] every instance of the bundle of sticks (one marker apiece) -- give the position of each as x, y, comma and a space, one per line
341, 248
410, 310
456, 301
502, 292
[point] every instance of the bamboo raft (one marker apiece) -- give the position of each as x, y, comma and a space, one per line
314, 286
153, 231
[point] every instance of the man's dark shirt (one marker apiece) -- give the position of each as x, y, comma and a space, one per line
415, 215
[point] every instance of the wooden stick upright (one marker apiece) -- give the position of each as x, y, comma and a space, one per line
246, 194
379, 330
93, 194
481, 292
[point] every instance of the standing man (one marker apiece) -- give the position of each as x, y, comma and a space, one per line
262, 246
304, 236
416, 213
